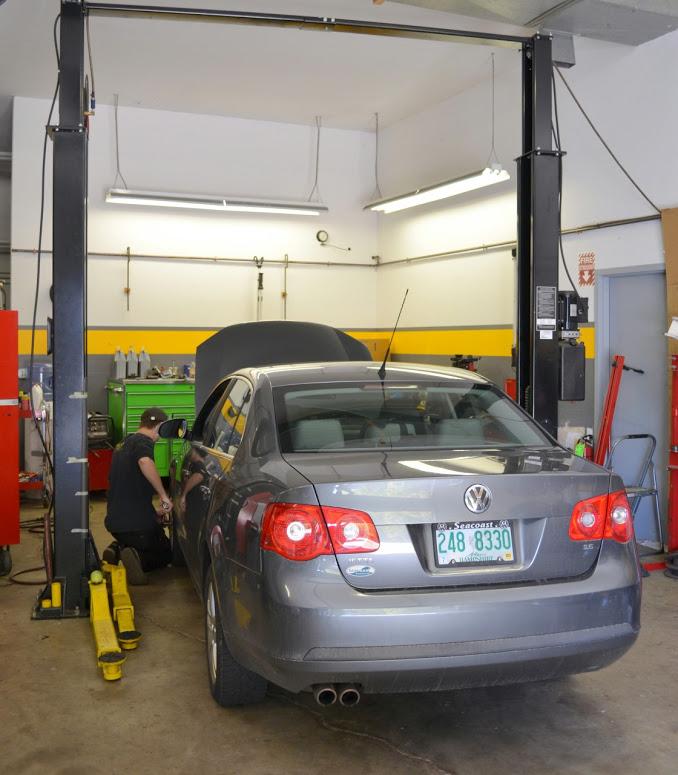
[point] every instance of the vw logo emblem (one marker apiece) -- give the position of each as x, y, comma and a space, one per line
477, 498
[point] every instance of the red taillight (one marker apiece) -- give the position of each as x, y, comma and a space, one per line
295, 531
588, 519
351, 531
619, 518
603, 516
299, 532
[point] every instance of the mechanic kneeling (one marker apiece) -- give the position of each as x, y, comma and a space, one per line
141, 542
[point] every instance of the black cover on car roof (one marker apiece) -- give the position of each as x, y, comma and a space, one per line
269, 343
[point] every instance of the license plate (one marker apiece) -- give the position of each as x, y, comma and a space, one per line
473, 543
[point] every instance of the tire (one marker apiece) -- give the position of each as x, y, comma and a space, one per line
178, 560
230, 683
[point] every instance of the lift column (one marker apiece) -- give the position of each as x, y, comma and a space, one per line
72, 554
537, 351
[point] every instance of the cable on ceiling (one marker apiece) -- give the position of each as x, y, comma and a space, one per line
493, 159
555, 129
605, 145
91, 65
376, 156
118, 173
39, 255
318, 124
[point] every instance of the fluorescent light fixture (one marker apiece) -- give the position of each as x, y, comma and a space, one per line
487, 177
123, 196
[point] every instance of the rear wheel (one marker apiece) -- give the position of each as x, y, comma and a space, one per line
230, 683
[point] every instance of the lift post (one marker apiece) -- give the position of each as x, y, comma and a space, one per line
73, 554
538, 233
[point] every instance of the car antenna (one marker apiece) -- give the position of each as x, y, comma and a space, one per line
382, 368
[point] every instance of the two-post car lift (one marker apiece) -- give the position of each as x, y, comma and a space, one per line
537, 254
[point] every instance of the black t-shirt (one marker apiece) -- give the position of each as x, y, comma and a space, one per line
130, 494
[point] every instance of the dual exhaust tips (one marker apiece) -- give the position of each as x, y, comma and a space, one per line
348, 695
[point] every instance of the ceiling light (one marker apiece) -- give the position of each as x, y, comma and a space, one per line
124, 196
487, 177
493, 173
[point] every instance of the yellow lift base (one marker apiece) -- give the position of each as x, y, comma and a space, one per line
123, 610
110, 645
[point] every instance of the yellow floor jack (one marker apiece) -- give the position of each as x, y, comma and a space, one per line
111, 644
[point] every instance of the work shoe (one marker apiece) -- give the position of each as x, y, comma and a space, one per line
132, 562
111, 553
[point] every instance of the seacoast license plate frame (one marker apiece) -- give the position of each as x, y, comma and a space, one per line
456, 552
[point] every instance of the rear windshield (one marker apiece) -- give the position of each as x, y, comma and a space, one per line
343, 416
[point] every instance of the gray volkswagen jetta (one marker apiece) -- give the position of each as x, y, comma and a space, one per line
420, 532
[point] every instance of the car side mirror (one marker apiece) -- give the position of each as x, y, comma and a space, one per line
173, 429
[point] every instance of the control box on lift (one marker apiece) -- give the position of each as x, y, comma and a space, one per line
573, 310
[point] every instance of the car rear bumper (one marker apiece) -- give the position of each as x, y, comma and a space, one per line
490, 663
328, 632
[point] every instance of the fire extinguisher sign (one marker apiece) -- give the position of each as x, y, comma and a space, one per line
587, 268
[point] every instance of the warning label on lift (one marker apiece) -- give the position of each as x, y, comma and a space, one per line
547, 296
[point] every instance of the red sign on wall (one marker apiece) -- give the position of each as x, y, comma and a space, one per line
587, 268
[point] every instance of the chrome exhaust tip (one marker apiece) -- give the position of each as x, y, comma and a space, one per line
349, 696
325, 695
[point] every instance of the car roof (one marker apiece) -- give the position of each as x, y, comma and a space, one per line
362, 371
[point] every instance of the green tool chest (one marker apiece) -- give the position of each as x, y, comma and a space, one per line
129, 398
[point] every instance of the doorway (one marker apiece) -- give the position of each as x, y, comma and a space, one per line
631, 321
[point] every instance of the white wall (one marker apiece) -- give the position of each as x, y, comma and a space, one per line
205, 155
628, 92
629, 95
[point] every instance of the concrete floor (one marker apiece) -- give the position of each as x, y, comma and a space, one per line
58, 716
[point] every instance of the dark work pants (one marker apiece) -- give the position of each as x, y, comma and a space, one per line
153, 546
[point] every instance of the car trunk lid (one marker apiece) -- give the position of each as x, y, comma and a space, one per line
412, 496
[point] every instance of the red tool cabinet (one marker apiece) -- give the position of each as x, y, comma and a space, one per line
9, 428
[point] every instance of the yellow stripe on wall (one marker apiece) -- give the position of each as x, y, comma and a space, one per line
105, 341
487, 342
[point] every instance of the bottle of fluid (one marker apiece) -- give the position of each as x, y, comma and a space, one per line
144, 363
119, 364
132, 364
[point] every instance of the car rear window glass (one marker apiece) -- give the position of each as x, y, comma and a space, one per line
452, 415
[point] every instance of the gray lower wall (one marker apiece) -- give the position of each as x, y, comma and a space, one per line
497, 369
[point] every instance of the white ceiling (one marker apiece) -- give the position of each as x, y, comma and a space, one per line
265, 73
292, 75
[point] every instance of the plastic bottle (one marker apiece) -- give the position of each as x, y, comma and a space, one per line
119, 364
132, 364
144, 363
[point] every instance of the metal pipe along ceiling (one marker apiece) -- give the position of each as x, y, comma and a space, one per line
412, 259
354, 26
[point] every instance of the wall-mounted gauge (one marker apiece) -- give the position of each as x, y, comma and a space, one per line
322, 236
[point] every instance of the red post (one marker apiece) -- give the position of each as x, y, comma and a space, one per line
9, 428
672, 527
605, 430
